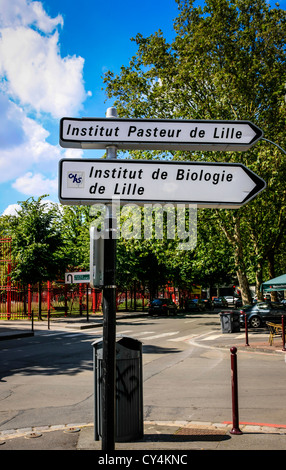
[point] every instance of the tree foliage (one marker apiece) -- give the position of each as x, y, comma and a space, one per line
226, 61
37, 246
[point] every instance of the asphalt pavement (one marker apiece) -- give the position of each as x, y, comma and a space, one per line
173, 439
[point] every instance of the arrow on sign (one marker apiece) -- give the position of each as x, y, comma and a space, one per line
155, 134
221, 185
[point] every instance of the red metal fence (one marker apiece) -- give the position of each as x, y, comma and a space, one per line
58, 298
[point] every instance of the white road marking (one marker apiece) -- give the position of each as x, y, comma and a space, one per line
162, 335
145, 333
210, 338
181, 338
125, 331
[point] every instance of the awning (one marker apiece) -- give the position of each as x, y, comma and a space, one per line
277, 283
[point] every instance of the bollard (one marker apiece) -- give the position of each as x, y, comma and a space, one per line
283, 334
235, 420
246, 330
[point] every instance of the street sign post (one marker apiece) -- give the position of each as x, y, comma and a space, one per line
80, 277
207, 185
214, 185
156, 134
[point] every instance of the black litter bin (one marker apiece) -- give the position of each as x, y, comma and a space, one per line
129, 389
229, 322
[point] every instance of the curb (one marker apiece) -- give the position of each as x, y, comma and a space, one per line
35, 431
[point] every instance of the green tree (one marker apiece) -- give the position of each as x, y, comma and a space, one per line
213, 262
227, 61
74, 224
37, 245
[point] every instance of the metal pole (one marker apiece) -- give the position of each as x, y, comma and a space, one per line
96, 398
246, 330
66, 301
109, 323
235, 420
283, 334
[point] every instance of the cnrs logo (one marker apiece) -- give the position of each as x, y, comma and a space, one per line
75, 179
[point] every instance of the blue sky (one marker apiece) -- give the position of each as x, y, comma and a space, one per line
53, 55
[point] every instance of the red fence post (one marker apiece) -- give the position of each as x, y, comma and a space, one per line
87, 316
29, 301
9, 292
49, 302
235, 420
93, 300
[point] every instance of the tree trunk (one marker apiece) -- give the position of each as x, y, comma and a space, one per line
259, 280
271, 269
244, 287
240, 265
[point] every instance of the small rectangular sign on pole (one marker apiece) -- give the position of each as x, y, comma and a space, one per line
80, 277
96, 259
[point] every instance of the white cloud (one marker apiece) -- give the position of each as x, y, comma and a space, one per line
34, 79
35, 184
11, 129
12, 209
22, 143
31, 67
37, 75
24, 146
73, 153
27, 13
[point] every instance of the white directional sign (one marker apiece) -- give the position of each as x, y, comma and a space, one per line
222, 185
80, 277
157, 134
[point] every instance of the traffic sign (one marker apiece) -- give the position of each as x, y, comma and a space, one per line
217, 185
80, 277
156, 134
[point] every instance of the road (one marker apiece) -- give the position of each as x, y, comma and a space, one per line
47, 379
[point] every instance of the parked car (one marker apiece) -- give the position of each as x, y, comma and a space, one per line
261, 312
219, 302
162, 307
195, 305
237, 302
233, 301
